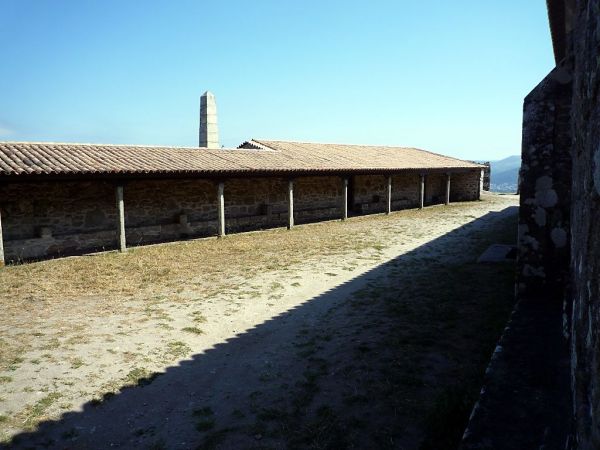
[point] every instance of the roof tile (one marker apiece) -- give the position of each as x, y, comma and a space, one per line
256, 156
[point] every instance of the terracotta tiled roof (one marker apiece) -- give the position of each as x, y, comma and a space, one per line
355, 157
256, 156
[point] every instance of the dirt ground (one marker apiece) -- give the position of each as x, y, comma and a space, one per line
369, 333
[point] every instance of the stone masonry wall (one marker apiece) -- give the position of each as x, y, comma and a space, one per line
61, 218
317, 198
57, 218
585, 225
252, 203
545, 188
160, 210
435, 188
370, 193
464, 186
67, 208
406, 190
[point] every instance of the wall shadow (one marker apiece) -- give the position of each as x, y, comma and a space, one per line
216, 398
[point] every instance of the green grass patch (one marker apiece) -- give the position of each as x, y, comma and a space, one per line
193, 330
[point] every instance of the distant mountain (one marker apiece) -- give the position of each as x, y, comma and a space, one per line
505, 174
509, 163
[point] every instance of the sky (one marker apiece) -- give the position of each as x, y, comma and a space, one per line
446, 76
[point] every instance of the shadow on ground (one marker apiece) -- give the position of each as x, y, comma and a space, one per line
392, 359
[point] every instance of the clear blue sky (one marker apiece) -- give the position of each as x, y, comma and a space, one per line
447, 76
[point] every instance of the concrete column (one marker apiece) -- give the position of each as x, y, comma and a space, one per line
209, 130
290, 204
1, 243
447, 189
121, 211
345, 199
422, 193
221, 207
389, 195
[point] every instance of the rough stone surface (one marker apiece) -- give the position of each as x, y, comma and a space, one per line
559, 231
369, 193
405, 191
545, 188
585, 228
52, 219
435, 188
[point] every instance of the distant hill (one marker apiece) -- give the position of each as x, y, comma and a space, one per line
505, 174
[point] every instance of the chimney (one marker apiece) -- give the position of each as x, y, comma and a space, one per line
209, 130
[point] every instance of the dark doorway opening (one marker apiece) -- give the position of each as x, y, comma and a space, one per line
351, 206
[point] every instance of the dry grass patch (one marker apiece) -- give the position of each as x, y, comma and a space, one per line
159, 271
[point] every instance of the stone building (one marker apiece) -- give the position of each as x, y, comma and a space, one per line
60, 199
548, 367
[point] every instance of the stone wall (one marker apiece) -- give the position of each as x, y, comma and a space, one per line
317, 198
160, 210
370, 194
61, 218
57, 218
406, 190
464, 186
545, 188
525, 400
559, 223
585, 226
435, 188
252, 203
65, 208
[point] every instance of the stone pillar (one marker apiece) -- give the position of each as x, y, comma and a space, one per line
487, 176
447, 202
121, 213
221, 208
481, 176
209, 130
1, 243
290, 204
422, 192
389, 195
345, 199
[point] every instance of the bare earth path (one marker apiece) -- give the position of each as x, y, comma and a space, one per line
333, 335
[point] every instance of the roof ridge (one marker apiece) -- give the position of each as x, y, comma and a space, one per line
116, 145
